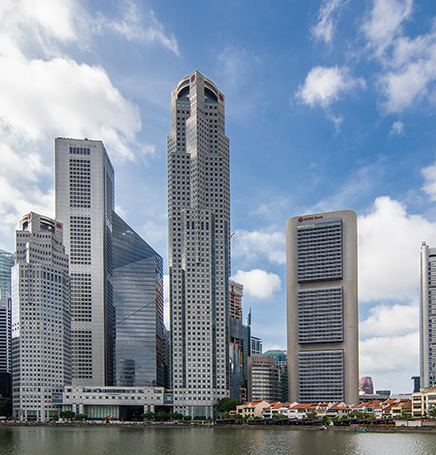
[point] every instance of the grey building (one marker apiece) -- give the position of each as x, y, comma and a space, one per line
198, 238
427, 317
322, 307
256, 345
263, 378
41, 324
138, 301
84, 190
236, 357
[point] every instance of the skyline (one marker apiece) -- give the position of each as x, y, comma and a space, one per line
328, 105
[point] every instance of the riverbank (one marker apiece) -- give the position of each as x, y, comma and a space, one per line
167, 425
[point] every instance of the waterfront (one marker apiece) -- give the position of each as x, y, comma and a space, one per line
115, 440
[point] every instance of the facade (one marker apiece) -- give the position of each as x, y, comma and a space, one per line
84, 187
97, 403
281, 359
41, 324
322, 307
138, 301
427, 317
236, 354
256, 345
6, 263
199, 254
246, 352
263, 378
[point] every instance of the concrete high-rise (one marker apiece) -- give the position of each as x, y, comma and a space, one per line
236, 342
427, 319
84, 186
322, 307
138, 302
199, 256
41, 356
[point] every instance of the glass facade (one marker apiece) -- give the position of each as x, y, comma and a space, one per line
138, 300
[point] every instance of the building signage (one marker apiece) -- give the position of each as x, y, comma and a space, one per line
310, 218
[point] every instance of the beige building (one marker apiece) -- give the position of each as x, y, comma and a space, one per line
263, 378
252, 409
423, 401
322, 306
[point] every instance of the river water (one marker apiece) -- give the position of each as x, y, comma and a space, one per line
114, 440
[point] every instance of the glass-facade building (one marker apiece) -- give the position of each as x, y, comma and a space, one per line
138, 301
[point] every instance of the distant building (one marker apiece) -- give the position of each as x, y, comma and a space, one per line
366, 385
416, 383
323, 350
256, 345
6, 263
263, 378
138, 300
427, 319
236, 355
41, 324
281, 359
246, 352
84, 193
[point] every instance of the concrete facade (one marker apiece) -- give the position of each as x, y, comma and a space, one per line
198, 243
322, 307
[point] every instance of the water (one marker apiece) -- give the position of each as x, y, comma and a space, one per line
113, 440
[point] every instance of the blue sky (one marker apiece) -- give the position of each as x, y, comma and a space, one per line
329, 105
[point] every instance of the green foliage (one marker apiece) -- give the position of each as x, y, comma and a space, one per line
67, 415
162, 416
80, 417
312, 415
432, 411
148, 415
227, 404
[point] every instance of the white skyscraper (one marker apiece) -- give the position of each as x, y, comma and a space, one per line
41, 357
428, 317
84, 185
199, 257
322, 304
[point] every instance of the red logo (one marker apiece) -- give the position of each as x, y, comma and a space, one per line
221, 97
310, 218
59, 225
193, 78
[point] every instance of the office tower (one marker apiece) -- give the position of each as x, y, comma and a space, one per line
427, 317
138, 301
41, 356
366, 385
263, 378
281, 359
84, 186
256, 345
322, 307
199, 256
236, 341
246, 352
6, 263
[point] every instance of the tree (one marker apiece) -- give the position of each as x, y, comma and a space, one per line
67, 415
148, 415
432, 411
227, 404
80, 416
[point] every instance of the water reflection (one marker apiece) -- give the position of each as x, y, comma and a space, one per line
161, 441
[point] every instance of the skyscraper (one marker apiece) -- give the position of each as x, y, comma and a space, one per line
138, 301
199, 256
428, 317
236, 342
322, 306
84, 186
6, 263
41, 356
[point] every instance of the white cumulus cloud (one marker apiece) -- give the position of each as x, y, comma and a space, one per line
324, 85
389, 247
257, 244
397, 129
258, 283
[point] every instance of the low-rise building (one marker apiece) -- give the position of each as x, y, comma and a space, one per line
252, 409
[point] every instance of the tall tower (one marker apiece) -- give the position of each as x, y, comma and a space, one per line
138, 302
199, 256
322, 305
84, 185
41, 356
428, 317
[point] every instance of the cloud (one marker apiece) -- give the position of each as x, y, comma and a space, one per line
131, 26
384, 23
385, 357
395, 320
323, 30
258, 244
324, 85
258, 283
429, 174
397, 129
389, 242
